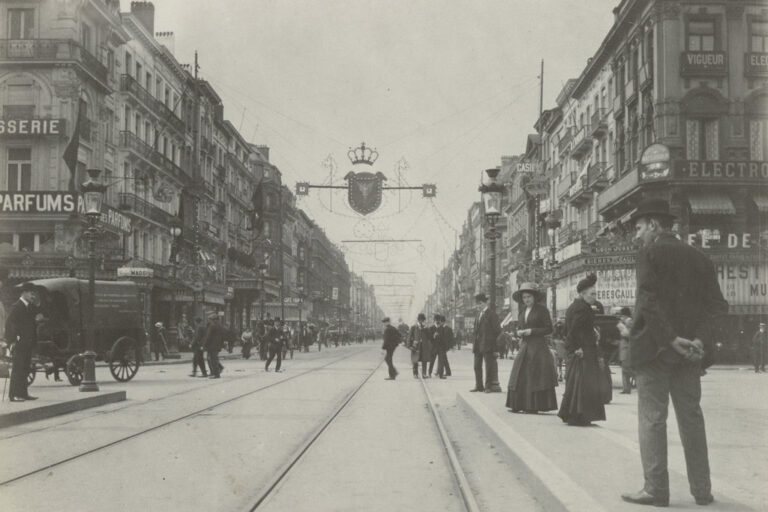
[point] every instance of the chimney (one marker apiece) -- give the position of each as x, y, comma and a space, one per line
168, 40
145, 12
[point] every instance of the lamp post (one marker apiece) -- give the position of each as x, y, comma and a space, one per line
553, 224
492, 191
93, 196
262, 273
173, 259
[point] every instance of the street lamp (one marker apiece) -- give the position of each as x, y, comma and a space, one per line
300, 334
93, 196
492, 192
553, 224
262, 273
173, 259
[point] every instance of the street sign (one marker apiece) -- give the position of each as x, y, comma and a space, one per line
135, 272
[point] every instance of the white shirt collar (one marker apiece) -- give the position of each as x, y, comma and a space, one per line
24, 301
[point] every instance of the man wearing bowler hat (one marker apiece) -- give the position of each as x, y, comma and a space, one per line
487, 329
21, 334
677, 307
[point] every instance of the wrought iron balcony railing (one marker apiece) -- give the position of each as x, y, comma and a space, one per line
54, 51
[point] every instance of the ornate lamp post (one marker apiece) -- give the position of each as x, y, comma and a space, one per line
553, 224
492, 192
93, 196
174, 261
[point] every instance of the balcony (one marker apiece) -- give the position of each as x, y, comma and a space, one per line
169, 166
582, 141
568, 234
599, 123
597, 178
138, 206
594, 230
130, 85
630, 90
207, 145
131, 142
703, 64
756, 64
580, 193
618, 105
53, 51
565, 141
645, 76
564, 185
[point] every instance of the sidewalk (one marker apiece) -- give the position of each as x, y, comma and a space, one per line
588, 468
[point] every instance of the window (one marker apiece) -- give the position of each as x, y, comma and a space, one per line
701, 36
19, 169
26, 242
158, 88
6, 242
127, 119
85, 37
758, 140
702, 140
109, 194
108, 127
21, 23
110, 62
759, 36
18, 111
138, 73
148, 83
128, 63
137, 125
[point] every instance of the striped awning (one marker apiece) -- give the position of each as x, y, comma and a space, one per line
711, 203
761, 201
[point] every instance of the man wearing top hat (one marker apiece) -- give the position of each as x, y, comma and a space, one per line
677, 307
760, 348
20, 333
487, 329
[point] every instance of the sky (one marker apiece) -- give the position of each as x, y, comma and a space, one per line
445, 88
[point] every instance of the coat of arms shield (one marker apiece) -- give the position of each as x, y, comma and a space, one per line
364, 191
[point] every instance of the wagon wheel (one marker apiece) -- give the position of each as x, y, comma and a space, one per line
123, 362
32, 373
74, 370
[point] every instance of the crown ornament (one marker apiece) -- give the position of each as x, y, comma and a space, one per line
362, 155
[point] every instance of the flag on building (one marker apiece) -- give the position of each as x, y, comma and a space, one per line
70, 153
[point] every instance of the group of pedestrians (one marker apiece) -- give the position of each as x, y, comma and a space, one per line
664, 347
208, 339
427, 345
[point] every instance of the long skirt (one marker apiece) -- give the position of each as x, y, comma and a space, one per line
520, 395
582, 401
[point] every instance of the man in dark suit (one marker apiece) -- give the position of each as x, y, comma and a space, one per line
21, 334
677, 306
432, 333
420, 345
214, 342
275, 344
391, 341
487, 329
198, 347
443, 343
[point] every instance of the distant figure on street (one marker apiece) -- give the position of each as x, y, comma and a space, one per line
443, 342
420, 346
533, 379
159, 347
432, 341
625, 326
214, 342
21, 335
391, 341
198, 349
246, 340
487, 329
677, 308
582, 402
760, 348
275, 342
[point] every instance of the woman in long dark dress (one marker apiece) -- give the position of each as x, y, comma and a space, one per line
582, 402
533, 379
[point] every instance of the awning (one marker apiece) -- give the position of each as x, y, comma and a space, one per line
711, 203
761, 201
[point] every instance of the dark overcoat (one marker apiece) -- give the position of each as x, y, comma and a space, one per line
487, 330
677, 295
391, 338
420, 344
534, 352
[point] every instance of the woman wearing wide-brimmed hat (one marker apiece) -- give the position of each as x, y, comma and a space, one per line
533, 379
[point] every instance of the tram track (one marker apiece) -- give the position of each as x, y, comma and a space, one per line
181, 418
130, 405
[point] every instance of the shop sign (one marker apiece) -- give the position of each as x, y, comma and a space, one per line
293, 300
756, 63
654, 162
537, 186
610, 259
744, 285
112, 217
38, 202
702, 63
569, 251
230, 292
335, 293
22, 127
135, 272
616, 287
751, 171
529, 167
712, 239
